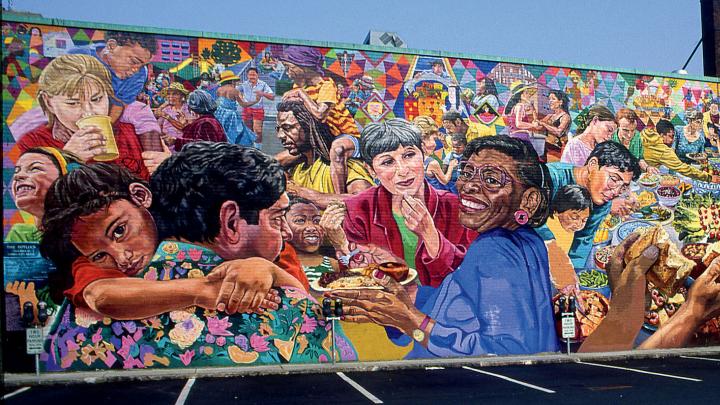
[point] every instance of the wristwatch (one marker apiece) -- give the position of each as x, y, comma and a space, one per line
419, 334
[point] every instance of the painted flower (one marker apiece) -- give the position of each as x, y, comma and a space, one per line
186, 331
308, 325
181, 255
86, 317
151, 274
170, 248
186, 357
220, 341
186, 265
195, 273
242, 342
195, 254
90, 353
219, 326
209, 338
259, 343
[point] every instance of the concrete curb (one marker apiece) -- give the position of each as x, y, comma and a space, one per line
92, 377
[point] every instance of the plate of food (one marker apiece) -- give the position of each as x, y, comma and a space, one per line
649, 180
611, 222
629, 227
698, 157
361, 278
697, 217
645, 198
653, 213
602, 237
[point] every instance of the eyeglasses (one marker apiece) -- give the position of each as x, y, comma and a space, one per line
491, 177
615, 182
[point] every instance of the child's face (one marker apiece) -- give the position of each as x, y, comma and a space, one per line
304, 220
122, 237
34, 173
574, 220
91, 100
126, 60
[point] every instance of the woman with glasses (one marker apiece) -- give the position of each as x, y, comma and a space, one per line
504, 192
404, 214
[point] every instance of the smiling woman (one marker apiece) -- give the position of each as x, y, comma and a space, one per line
503, 191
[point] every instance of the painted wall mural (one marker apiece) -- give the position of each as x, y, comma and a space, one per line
178, 201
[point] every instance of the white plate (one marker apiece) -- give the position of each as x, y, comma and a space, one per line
315, 285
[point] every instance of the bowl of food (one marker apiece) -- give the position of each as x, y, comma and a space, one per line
594, 280
668, 196
669, 181
649, 180
695, 252
603, 255
361, 278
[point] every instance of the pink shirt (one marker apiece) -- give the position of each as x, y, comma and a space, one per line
576, 152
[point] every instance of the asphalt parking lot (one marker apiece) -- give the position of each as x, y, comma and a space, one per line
674, 380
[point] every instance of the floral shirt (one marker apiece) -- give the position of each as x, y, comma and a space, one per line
193, 337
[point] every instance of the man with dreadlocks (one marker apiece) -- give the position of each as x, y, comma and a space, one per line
305, 136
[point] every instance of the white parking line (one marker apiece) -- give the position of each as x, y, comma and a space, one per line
360, 388
640, 371
185, 391
18, 391
535, 387
699, 358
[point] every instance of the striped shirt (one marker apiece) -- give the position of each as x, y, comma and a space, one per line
338, 119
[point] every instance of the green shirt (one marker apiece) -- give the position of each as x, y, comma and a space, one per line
409, 240
636, 145
23, 233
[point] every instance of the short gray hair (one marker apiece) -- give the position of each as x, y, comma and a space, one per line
201, 102
388, 136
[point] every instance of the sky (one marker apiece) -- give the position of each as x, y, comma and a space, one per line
656, 35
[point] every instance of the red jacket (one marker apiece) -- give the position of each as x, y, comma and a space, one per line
369, 219
125, 137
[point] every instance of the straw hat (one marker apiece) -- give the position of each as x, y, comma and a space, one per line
518, 87
177, 87
227, 76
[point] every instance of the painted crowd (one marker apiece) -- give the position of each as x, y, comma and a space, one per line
186, 202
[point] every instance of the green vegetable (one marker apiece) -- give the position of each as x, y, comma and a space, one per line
593, 279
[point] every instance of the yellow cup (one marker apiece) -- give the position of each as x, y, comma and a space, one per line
105, 124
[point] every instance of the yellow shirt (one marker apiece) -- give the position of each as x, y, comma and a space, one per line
563, 238
656, 153
317, 177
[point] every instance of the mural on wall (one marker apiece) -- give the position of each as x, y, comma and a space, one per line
180, 201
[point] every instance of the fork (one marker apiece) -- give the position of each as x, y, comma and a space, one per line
345, 260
